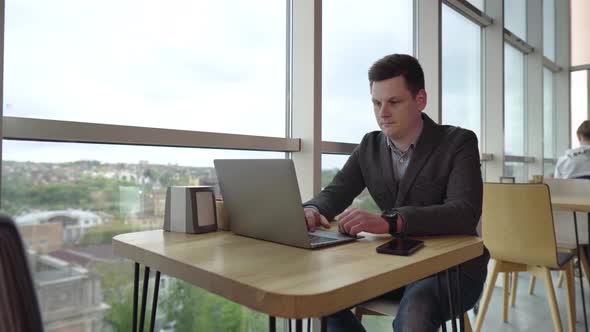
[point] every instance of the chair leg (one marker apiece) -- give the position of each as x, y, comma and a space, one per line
532, 285
513, 288
487, 295
358, 312
571, 296
467, 322
584, 262
505, 298
552, 301
560, 280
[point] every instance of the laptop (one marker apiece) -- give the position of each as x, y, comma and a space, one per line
262, 200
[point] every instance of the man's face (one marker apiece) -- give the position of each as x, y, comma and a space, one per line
396, 110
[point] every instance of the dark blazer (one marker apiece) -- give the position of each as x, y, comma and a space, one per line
440, 193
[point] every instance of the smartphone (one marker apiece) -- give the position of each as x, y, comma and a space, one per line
402, 247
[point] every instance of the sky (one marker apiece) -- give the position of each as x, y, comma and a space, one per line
216, 66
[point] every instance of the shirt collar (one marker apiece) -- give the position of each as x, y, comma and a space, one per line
414, 141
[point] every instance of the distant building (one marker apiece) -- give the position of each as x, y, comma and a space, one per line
42, 238
75, 223
70, 298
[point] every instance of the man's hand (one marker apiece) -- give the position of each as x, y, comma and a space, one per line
354, 221
315, 219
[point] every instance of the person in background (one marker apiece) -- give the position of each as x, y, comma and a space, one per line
575, 163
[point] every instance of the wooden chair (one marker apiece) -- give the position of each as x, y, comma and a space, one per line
518, 231
386, 307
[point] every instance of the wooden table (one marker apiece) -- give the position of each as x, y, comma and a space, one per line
284, 281
575, 203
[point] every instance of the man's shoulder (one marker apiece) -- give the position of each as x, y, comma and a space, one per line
577, 152
373, 138
456, 134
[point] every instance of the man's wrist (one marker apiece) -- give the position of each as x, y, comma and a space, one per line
395, 222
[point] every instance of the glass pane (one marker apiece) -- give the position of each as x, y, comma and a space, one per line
356, 35
149, 63
70, 199
548, 115
516, 170
514, 101
580, 99
515, 17
461, 71
548, 169
478, 4
549, 29
331, 164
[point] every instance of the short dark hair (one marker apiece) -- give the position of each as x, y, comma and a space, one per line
584, 130
394, 65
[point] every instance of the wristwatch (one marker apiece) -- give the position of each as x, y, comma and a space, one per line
391, 217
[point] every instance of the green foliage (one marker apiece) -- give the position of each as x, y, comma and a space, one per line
328, 175
194, 309
98, 194
103, 234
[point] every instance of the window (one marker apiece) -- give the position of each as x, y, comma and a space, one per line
331, 164
195, 65
515, 17
580, 102
548, 119
56, 186
514, 115
461, 71
549, 29
354, 36
479, 4
514, 101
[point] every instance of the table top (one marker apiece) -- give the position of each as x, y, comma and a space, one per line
291, 282
571, 203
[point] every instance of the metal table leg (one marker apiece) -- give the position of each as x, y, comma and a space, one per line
146, 276
441, 290
272, 325
451, 304
580, 270
135, 295
155, 301
459, 300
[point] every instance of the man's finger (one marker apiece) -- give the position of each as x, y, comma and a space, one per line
348, 216
348, 225
356, 229
324, 222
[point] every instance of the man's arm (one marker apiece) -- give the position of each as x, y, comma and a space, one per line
340, 193
460, 211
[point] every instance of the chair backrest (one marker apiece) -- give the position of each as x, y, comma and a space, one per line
19, 308
518, 223
564, 220
569, 187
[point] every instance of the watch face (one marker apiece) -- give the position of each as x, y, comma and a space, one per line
389, 215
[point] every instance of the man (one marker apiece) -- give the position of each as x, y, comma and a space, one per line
425, 177
576, 162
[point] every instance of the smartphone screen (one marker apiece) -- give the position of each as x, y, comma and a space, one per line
403, 247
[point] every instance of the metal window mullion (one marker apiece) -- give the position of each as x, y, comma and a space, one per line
470, 12
66, 131
581, 67
2, 33
554, 67
519, 159
518, 43
338, 147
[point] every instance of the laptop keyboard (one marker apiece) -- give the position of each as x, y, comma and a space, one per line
319, 239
